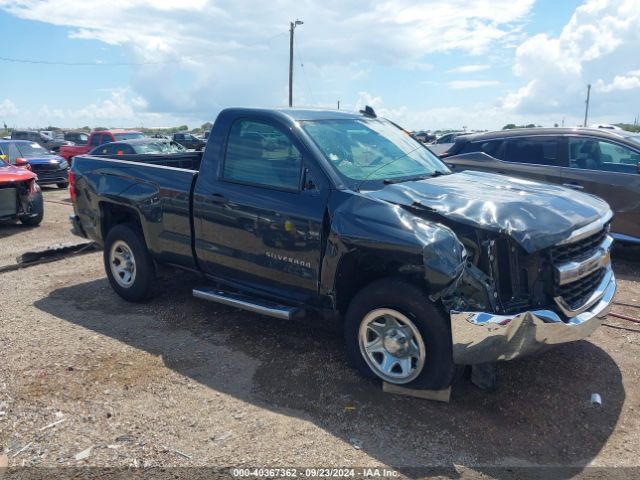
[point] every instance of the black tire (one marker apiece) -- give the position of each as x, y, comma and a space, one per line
63, 184
38, 209
142, 282
430, 320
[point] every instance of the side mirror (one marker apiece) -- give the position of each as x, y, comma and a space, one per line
22, 162
307, 181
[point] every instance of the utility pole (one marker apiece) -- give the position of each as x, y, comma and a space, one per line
338, 106
586, 110
291, 29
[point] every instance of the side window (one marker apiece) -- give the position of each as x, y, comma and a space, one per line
179, 136
124, 149
108, 149
533, 150
20, 136
95, 140
493, 148
260, 154
592, 154
12, 153
106, 138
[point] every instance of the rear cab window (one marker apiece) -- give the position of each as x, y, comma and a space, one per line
95, 140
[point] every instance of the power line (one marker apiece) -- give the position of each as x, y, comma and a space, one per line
120, 64
304, 72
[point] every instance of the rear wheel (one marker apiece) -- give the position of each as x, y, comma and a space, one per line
128, 263
62, 184
395, 333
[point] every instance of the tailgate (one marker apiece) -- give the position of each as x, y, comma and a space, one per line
8, 202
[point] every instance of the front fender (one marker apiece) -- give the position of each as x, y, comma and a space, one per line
362, 226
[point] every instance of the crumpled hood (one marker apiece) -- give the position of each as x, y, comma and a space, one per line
9, 174
535, 215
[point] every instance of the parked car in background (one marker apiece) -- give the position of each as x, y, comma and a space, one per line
601, 162
53, 134
51, 169
443, 143
189, 141
77, 138
43, 140
139, 146
96, 139
424, 137
20, 195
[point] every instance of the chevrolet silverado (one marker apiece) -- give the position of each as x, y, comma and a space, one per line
288, 212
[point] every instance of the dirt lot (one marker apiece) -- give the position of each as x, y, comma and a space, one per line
87, 379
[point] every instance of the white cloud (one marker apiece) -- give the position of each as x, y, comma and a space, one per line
597, 46
620, 82
231, 52
464, 84
469, 68
8, 108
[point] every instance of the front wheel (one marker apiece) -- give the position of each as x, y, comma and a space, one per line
128, 263
62, 184
393, 332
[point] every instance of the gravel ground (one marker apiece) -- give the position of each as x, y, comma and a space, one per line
87, 379
17, 239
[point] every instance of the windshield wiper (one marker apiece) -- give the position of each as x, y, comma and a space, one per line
437, 173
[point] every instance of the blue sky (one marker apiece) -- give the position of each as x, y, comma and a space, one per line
425, 64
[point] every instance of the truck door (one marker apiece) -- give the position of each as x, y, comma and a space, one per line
256, 224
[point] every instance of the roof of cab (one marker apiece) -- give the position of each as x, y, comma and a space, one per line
298, 114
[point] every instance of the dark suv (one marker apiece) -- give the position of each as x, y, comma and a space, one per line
44, 141
189, 141
601, 162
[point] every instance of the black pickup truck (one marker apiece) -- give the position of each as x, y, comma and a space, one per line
289, 212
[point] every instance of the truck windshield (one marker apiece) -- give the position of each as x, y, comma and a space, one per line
372, 150
128, 136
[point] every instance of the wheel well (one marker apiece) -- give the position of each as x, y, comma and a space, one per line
113, 215
356, 271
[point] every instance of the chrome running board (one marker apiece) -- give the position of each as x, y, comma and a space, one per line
251, 304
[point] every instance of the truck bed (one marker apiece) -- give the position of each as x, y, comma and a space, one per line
186, 160
156, 188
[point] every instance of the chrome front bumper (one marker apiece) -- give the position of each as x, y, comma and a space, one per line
480, 337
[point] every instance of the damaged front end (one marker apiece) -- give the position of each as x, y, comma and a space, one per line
508, 303
20, 200
537, 270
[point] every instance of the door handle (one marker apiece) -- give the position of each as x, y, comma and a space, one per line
575, 186
218, 198
451, 165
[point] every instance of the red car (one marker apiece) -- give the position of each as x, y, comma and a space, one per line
20, 195
96, 139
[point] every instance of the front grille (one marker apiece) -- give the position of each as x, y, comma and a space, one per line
578, 250
46, 167
575, 294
